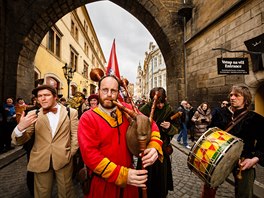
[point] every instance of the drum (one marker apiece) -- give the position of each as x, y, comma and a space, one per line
214, 156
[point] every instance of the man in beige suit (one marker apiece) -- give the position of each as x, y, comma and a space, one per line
55, 143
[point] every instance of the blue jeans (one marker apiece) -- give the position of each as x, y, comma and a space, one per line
183, 134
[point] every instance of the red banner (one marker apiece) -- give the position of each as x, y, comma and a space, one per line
112, 67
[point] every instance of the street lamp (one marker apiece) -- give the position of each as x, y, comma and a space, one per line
68, 74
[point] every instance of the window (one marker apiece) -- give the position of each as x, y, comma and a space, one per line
76, 36
51, 40
58, 41
54, 42
85, 45
74, 59
93, 60
86, 48
160, 81
164, 80
92, 39
85, 25
160, 59
74, 30
155, 82
72, 27
155, 62
85, 69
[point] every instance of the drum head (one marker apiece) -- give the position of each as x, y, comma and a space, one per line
226, 164
214, 155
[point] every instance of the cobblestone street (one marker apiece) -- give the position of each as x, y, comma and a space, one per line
186, 183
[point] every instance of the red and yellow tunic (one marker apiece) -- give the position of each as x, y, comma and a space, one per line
102, 142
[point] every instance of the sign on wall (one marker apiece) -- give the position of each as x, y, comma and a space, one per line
232, 66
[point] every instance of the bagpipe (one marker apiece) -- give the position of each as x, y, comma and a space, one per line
139, 131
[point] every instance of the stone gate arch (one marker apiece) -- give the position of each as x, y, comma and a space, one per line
27, 22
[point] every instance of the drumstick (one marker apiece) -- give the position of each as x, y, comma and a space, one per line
239, 175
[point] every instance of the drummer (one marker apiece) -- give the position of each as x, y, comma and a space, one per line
102, 141
250, 129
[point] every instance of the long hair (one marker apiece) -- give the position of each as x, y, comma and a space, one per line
162, 94
244, 91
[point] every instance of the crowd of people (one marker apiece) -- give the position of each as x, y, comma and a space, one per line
12, 109
94, 136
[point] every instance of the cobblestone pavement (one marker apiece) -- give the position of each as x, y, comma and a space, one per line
186, 183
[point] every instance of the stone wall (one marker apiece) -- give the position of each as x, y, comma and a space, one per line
28, 22
238, 22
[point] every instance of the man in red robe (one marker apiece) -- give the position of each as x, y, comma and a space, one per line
102, 141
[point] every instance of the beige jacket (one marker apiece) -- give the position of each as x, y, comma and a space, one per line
57, 150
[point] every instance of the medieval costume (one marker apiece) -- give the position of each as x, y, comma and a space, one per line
247, 125
160, 179
102, 141
250, 130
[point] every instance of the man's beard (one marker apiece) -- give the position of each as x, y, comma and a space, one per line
107, 106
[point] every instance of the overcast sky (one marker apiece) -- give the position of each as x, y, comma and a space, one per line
131, 38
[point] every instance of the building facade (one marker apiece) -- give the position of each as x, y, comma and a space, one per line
139, 83
185, 31
212, 32
72, 41
153, 73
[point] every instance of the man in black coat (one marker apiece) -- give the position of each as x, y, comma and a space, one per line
250, 129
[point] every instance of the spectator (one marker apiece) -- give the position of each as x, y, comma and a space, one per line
202, 118
93, 101
2, 121
184, 119
55, 143
20, 107
218, 116
191, 124
9, 124
63, 101
82, 106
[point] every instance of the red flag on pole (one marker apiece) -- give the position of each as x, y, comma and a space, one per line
112, 67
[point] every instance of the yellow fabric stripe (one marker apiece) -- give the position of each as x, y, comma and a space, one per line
112, 122
122, 177
109, 170
101, 166
155, 134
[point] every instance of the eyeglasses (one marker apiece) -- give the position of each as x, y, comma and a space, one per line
106, 91
224, 103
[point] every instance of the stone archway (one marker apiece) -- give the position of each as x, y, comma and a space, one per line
27, 22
